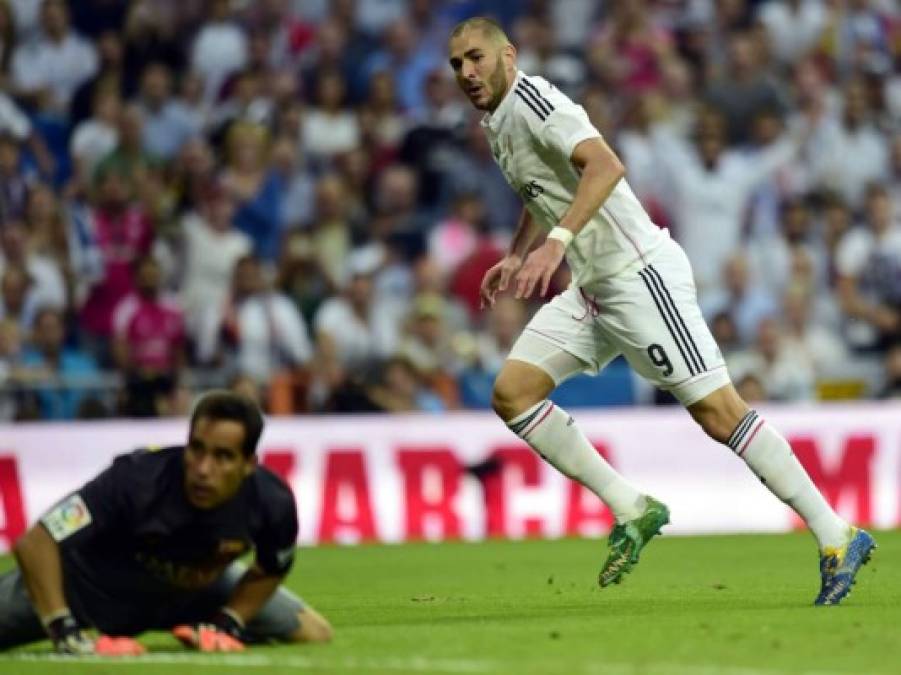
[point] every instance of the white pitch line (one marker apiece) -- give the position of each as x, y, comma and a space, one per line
415, 664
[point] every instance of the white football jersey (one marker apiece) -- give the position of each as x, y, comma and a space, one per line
532, 134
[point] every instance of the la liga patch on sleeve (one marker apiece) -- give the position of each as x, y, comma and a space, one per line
67, 518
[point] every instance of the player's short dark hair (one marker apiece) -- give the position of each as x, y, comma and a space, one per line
489, 27
221, 404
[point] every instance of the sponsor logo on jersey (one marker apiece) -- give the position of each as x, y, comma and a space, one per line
67, 518
231, 546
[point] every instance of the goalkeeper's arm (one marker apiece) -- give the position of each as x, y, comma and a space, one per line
224, 631
39, 561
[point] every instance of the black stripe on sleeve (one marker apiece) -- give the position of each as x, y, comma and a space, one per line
532, 88
537, 100
529, 103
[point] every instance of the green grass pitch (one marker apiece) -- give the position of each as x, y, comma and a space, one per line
736, 605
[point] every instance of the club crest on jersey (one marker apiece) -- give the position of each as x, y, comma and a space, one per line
531, 190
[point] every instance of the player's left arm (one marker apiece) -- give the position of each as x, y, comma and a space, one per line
600, 170
251, 593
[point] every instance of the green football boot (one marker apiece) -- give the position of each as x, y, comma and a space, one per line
627, 539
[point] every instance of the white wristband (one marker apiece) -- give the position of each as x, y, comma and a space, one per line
562, 235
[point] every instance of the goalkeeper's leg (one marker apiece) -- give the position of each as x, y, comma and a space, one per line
284, 618
19, 624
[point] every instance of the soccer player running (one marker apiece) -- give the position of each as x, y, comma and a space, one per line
152, 542
632, 293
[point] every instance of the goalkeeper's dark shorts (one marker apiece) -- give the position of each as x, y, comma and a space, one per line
276, 621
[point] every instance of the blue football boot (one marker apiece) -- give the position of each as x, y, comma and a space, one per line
839, 566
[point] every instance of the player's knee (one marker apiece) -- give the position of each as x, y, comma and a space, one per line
313, 628
719, 413
517, 388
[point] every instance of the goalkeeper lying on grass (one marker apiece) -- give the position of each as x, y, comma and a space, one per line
151, 544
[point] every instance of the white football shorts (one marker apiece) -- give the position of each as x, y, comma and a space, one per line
648, 313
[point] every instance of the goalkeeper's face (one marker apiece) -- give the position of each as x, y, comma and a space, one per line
215, 463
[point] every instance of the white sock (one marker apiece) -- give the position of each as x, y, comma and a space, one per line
770, 457
551, 432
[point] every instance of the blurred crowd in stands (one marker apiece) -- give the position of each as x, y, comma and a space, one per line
291, 198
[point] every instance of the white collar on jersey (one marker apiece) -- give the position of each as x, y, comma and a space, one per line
493, 120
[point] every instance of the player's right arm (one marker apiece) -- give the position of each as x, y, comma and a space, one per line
38, 557
100, 506
498, 277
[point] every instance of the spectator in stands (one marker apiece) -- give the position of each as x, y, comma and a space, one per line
151, 36
539, 54
784, 378
849, 152
120, 232
794, 27
193, 172
328, 127
807, 340
298, 181
13, 181
402, 388
51, 239
892, 386
630, 52
148, 342
382, 124
207, 277
428, 344
259, 326
49, 70
129, 157
7, 40
97, 136
220, 47
710, 191
167, 126
353, 329
771, 257
743, 297
408, 61
18, 302
301, 275
505, 322
859, 36
455, 238
16, 128
110, 76
743, 90
476, 171
869, 267
47, 286
429, 279
255, 188
62, 376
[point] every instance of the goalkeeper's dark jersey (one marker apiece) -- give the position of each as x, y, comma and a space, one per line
132, 544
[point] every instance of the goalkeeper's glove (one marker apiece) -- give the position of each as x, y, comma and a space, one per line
68, 635
223, 633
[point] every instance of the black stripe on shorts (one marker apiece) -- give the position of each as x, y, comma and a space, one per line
667, 317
